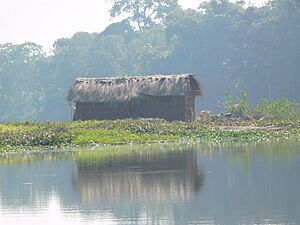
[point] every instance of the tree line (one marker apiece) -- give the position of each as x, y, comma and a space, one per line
230, 46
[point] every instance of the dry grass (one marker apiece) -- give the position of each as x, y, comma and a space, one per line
123, 89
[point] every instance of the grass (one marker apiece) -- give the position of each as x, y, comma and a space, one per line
24, 136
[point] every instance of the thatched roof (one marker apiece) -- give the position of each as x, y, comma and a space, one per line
120, 89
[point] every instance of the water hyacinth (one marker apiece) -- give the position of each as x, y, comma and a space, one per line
32, 135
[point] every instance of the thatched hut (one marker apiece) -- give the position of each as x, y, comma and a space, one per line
171, 97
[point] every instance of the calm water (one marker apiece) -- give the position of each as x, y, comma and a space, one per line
186, 184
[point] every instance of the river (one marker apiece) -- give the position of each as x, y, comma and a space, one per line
154, 184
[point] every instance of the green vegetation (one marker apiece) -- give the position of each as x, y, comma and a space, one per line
238, 106
266, 112
20, 136
279, 109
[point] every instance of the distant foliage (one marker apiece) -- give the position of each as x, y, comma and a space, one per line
230, 45
143, 13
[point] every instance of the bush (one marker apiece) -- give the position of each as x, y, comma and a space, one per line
278, 109
238, 106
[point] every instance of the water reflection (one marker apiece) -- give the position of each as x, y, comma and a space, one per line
134, 188
249, 184
30, 186
172, 176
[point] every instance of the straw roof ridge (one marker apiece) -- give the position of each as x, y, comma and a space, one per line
120, 89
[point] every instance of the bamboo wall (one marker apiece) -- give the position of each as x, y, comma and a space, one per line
166, 107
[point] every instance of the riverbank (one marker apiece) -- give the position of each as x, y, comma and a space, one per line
25, 136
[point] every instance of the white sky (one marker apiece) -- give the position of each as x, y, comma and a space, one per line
44, 21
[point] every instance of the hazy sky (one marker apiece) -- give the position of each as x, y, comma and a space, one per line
44, 21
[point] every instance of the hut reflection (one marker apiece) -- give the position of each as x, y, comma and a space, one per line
171, 176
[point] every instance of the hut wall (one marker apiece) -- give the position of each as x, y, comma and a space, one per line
189, 108
166, 107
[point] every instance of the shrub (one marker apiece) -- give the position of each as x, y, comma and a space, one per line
278, 109
237, 106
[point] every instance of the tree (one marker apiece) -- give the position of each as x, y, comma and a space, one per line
143, 13
20, 90
231, 46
